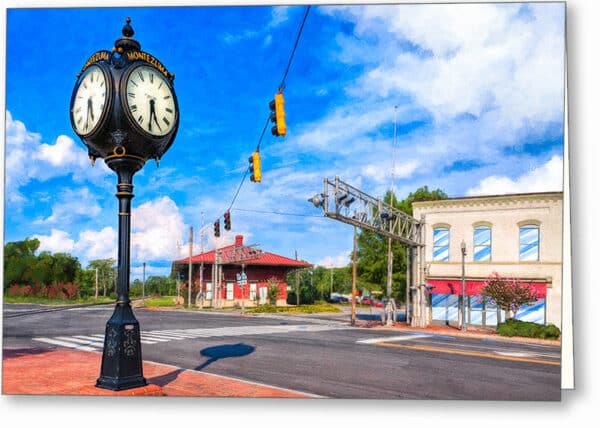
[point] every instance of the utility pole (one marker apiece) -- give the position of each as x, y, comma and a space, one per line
297, 284
201, 260
96, 295
463, 324
190, 267
390, 304
144, 281
353, 306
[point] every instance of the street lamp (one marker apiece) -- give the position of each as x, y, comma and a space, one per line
463, 250
125, 111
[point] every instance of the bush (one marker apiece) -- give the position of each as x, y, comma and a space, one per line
550, 331
513, 327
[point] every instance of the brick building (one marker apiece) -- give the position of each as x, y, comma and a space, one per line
218, 280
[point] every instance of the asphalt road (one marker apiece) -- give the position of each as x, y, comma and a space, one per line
321, 355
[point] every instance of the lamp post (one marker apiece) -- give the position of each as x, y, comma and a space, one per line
125, 111
463, 250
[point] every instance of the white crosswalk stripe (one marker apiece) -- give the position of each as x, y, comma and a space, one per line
93, 342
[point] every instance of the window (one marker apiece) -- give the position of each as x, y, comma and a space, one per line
209, 295
482, 244
229, 295
253, 291
441, 243
529, 243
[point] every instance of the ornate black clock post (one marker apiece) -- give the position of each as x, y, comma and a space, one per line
125, 111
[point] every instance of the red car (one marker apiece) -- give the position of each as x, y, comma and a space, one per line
365, 300
378, 303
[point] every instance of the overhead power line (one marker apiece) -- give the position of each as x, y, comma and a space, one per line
277, 213
281, 86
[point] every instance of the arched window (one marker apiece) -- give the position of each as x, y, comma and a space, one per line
482, 243
529, 242
441, 244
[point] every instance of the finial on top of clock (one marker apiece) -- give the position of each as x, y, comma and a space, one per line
126, 43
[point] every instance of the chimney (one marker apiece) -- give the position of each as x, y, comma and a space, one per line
239, 240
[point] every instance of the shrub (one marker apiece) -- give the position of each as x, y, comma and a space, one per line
513, 327
550, 331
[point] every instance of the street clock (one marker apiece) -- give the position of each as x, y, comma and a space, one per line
125, 111
124, 103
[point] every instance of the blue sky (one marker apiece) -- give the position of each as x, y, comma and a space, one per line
476, 91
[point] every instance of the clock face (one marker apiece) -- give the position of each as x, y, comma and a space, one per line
89, 101
150, 102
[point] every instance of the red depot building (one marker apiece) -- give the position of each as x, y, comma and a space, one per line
236, 276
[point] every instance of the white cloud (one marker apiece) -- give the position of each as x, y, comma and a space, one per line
72, 204
470, 58
156, 228
279, 15
381, 172
57, 242
94, 245
91, 244
341, 260
546, 178
27, 158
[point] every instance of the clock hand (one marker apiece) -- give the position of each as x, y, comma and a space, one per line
153, 114
91, 107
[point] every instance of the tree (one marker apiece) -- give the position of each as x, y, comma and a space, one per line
106, 272
19, 260
162, 286
508, 294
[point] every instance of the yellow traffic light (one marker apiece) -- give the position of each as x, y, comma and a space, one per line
278, 116
255, 167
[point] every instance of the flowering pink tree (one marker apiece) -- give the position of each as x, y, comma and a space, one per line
508, 294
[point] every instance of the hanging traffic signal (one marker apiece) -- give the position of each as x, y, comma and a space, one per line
227, 220
278, 116
255, 167
217, 227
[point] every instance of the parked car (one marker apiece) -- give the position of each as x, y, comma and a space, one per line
377, 303
334, 299
365, 300
343, 299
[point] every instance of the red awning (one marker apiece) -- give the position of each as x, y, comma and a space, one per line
472, 288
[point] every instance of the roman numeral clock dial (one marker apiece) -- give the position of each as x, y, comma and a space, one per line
149, 101
89, 101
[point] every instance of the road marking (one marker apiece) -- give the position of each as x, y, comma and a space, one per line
86, 341
162, 336
392, 339
65, 344
470, 353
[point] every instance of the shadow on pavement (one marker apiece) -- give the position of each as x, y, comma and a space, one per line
21, 352
166, 378
215, 353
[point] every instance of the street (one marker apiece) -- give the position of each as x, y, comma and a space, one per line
318, 354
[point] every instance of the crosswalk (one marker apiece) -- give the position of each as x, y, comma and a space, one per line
95, 342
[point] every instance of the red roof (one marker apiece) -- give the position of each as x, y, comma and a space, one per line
263, 259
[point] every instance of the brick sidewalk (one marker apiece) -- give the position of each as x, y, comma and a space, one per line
68, 372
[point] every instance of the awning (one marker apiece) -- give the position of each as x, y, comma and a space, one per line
472, 287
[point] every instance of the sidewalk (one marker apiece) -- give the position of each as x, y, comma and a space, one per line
68, 372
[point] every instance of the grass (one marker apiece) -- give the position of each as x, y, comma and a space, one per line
156, 302
304, 309
47, 301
